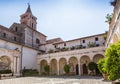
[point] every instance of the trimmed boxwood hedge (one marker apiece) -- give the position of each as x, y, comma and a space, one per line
5, 71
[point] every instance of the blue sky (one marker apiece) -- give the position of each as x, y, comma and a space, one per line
68, 19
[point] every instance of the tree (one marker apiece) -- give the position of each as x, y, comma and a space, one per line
109, 18
67, 68
92, 66
101, 65
113, 61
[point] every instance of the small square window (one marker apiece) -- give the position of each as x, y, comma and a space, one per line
83, 41
96, 39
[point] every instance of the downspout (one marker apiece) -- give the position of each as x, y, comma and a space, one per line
21, 60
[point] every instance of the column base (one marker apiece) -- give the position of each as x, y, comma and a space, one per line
17, 75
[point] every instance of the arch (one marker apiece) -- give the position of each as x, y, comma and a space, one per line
73, 62
62, 63
84, 60
37, 41
115, 39
5, 62
97, 57
43, 63
53, 65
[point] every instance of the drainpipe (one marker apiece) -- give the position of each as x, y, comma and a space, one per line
21, 60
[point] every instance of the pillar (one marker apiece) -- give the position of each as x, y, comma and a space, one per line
79, 67
18, 65
14, 66
58, 68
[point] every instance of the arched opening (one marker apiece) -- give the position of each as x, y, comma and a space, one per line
43, 63
115, 39
96, 58
37, 41
4, 35
73, 62
53, 65
62, 63
84, 60
5, 63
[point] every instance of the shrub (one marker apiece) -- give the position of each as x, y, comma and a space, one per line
101, 65
113, 61
91, 44
5, 71
67, 68
109, 18
47, 69
29, 72
92, 66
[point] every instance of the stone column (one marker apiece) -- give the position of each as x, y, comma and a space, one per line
79, 67
50, 67
58, 68
18, 65
14, 66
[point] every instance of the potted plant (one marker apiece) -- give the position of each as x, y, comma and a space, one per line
91, 44
67, 69
102, 69
92, 66
57, 50
50, 51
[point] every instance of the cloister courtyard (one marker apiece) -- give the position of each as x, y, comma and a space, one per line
56, 80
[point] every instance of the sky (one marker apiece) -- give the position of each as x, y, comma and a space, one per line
67, 19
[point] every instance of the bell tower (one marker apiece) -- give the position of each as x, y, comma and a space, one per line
28, 18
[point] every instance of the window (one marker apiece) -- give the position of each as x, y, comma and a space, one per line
64, 44
37, 41
4, 35
83, 41
16, 29
14, 38
55, 46
96, 39
32, 25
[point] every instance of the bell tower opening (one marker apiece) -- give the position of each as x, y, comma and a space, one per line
28, 18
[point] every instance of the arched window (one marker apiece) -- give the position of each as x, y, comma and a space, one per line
32, 25
16, 29
37, 41
4, 35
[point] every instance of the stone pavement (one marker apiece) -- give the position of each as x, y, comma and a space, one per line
56, 80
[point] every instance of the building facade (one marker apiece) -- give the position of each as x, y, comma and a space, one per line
77, 53
21, 38
113, 35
